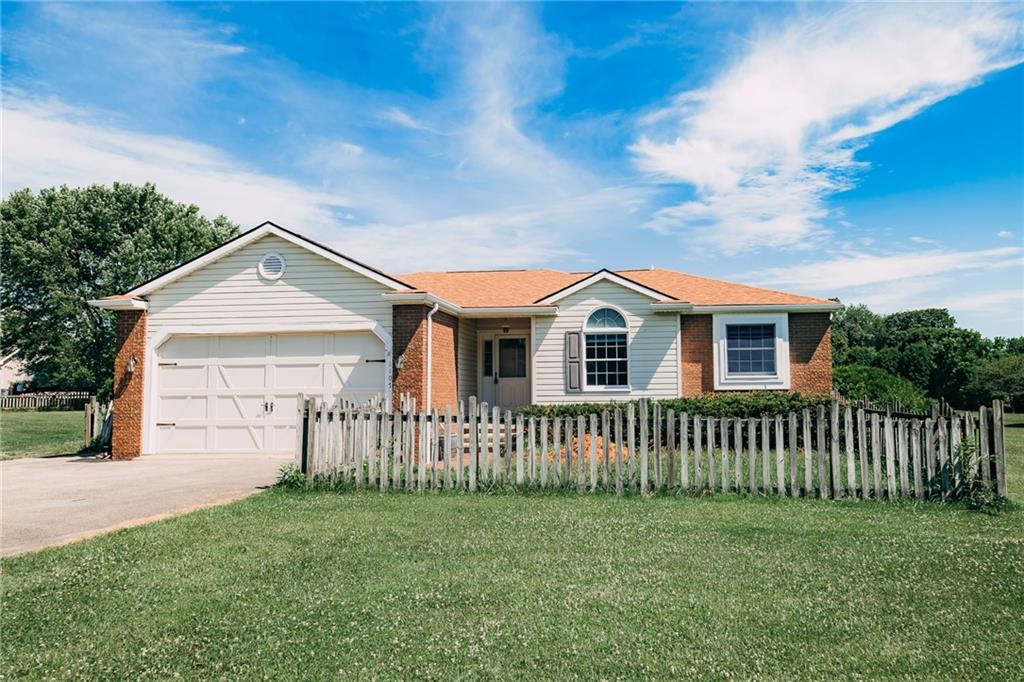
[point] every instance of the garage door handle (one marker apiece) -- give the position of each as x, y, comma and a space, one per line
369, 360
165, 424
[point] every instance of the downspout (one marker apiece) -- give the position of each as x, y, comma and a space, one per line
430, 356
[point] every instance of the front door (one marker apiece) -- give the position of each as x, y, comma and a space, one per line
505, 376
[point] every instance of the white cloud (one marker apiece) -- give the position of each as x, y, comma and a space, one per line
46, 143
856, 269
1004, 234
775, 134
401, 117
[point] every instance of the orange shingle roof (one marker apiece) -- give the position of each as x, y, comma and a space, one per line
491, 288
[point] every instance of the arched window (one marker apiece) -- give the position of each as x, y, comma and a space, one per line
606, 340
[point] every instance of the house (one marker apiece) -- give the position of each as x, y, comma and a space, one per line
212, 355
13, 376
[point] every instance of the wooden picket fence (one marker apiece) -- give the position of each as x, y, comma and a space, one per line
831, 453
74, 400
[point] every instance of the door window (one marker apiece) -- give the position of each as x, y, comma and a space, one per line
512, 358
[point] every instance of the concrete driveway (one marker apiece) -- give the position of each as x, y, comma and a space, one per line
55, 500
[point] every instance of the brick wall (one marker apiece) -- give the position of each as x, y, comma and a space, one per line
126, 438
810, 352
409, 323
697, 359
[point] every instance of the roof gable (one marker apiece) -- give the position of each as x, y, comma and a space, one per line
267, 228
605, 276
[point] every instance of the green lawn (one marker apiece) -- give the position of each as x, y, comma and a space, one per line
323, 585
1015, 457
28, 433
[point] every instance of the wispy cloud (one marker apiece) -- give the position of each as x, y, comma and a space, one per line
1004, 234
46, 143
768, 141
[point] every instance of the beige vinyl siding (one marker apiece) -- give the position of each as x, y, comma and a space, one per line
653, 346
230, 292
467, 358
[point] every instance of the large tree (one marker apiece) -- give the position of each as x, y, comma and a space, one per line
65, 246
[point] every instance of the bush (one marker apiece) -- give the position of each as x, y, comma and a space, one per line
860, 382
290, 476
739, 404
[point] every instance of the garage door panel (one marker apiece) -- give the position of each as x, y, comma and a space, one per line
242, 347
181, 407
361, 377
186, 348
242, 376
284, 437
186, 377
238, 439
299, 376
300, 346
239, 406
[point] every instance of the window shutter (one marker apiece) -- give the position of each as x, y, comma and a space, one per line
573, 362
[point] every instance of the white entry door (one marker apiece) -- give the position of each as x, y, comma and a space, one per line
239, 393
505, 374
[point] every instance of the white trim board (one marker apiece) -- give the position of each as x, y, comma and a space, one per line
251, 236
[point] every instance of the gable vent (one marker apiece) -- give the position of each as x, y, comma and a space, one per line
272, 266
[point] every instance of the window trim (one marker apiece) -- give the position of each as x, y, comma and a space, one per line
585, 384
724, 381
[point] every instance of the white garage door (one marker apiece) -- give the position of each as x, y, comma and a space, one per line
239, 393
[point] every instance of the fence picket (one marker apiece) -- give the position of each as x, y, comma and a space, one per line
999, 445
710, 433
862, 453
618, 451
737, 435
581, 428
657, 446
593, 453
606, 437
833, 433
915, 453
943, 473
984, 457
823, 487
726, 464
698, 455
534, 464
890, 457
851, 468
630, 444
808, 454
955, 465
684, 451
780, 458
544, 452
766, 456
904, 457
794, 460
643, 446
496, 425
752, 457
671, 446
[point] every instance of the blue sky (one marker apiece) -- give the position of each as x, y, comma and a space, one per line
871, 152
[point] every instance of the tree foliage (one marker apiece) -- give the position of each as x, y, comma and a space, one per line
65, 246
1002, 378
860, 382
924, 347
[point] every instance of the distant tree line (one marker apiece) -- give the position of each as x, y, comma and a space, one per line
920, 355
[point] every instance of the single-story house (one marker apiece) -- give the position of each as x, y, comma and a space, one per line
212, 355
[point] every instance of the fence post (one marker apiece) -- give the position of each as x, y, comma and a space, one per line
999, 441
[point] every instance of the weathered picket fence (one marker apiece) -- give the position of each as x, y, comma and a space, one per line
74, 400
832, 453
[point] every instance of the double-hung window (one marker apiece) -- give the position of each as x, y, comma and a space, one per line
606, 344
750, 349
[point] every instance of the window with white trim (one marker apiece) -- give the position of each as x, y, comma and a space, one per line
750, 350
606, 351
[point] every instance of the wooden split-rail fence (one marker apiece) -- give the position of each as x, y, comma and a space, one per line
833, 452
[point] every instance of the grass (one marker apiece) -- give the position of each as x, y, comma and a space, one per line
323, 585
1015, 457
31, 433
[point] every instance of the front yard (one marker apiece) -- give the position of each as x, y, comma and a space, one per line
31, 433
321, 585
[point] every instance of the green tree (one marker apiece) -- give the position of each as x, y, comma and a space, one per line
858, 382
1000, 377
855, 334
65, 246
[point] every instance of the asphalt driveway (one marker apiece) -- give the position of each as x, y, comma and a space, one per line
51, 501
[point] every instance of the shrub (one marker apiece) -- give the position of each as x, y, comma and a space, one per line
290, 476
860, 382
739, 404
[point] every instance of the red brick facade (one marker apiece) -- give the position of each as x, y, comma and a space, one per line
410, 344
810, 353
698, 363
126, 438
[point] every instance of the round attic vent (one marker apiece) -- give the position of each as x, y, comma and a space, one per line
271, 266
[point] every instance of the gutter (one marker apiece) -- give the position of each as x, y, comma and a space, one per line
771, 308
401, 297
